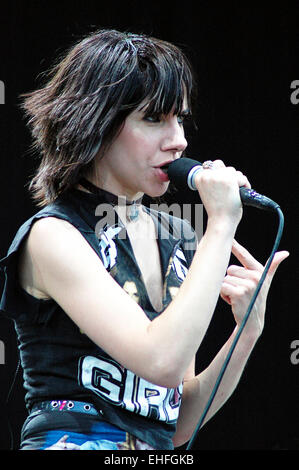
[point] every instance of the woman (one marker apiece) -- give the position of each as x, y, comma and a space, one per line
109, 300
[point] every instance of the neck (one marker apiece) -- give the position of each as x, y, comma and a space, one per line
132, 207
113, 187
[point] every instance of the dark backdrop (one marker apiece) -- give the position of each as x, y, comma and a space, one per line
246, 58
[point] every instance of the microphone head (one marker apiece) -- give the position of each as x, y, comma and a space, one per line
182, 171
179, 169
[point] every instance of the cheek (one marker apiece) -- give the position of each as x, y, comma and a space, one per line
136, 144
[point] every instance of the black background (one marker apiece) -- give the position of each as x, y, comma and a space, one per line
246, 57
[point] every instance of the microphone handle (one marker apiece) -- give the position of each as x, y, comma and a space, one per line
249, 197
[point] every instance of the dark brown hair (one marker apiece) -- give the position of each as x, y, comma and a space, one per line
90, 92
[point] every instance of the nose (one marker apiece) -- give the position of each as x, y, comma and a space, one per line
174, 137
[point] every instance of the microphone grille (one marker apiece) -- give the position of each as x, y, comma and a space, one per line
179, 170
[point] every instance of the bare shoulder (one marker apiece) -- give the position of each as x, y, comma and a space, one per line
49, 246
51, 233
60, 264
45, 236
47, 226
56, 244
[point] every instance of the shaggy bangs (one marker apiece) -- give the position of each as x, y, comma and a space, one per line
100, 81
163, 83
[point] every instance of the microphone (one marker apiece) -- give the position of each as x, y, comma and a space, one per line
182, 173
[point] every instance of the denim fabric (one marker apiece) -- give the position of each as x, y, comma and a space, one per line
43, 430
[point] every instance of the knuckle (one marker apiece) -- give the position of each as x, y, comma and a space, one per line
250, 286
256, 277
218, 164
233, 269
242, 290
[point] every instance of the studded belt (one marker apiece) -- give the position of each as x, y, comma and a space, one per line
66, 405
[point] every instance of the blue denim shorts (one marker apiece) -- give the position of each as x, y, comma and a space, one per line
42, 430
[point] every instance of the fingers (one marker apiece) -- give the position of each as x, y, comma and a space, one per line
236, 288
245, 258
250, 263
218, 164
245, 281
242, 179
218, 187
251, 268
241, 282
278, 258
244, 273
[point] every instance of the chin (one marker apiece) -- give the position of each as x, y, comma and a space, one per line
158, 190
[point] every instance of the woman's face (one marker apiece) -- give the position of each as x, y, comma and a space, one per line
131, 165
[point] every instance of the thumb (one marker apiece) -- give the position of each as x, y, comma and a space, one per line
278, 258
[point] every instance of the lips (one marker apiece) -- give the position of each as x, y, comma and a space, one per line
161, 171
161, 175
164, 166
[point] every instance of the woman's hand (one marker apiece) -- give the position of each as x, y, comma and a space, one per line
218, 188
240, 283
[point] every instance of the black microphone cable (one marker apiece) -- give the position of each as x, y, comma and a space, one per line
241, 328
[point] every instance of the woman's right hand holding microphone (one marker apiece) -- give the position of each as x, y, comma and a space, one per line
218, 187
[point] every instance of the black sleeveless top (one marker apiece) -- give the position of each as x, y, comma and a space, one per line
61, 362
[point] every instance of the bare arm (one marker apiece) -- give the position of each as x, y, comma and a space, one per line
96, 303
237, 289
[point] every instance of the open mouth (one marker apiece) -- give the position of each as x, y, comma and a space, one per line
164, 168
161, 172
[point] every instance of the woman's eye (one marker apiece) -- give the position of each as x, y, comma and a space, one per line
181, 118
152, 118
184, 118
